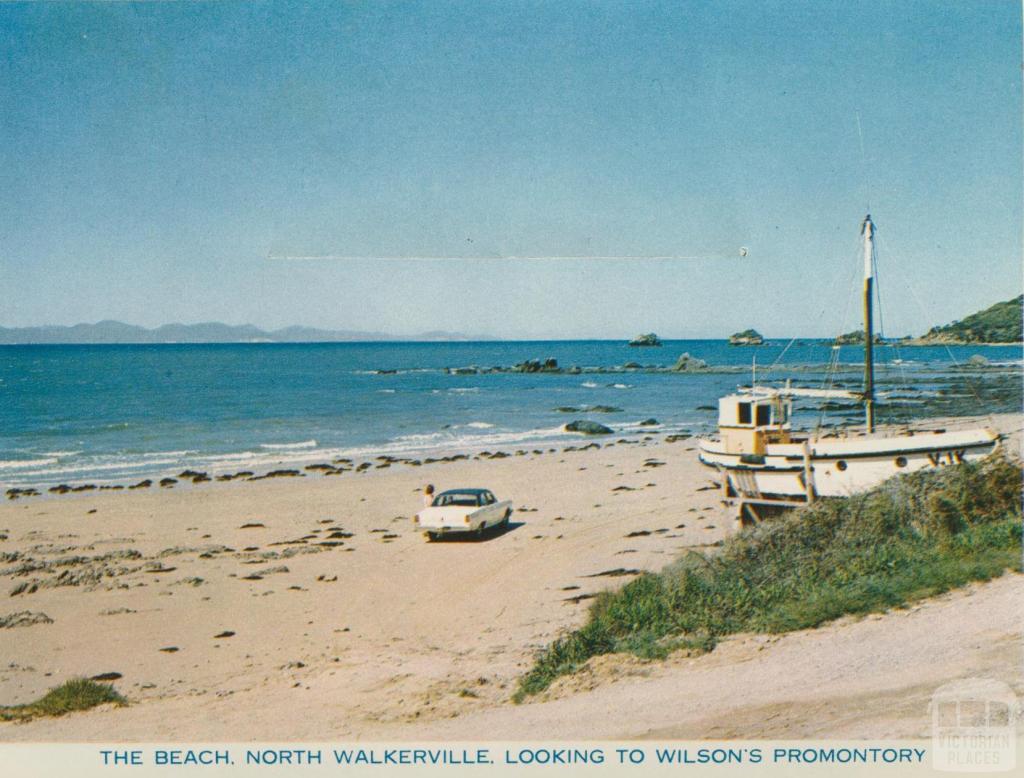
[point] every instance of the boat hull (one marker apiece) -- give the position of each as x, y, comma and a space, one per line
839, 467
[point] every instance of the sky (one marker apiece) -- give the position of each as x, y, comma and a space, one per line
155, 158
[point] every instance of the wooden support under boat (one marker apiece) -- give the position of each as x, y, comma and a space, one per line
747, 508
808, 473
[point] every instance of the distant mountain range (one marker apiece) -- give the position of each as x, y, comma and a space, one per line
207, 332
1000, 323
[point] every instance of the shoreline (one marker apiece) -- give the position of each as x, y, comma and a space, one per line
370, 406
342, 619
325, 463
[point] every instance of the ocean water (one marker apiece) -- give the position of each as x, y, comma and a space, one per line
113, 413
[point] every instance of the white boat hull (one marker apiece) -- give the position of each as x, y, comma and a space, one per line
839, 467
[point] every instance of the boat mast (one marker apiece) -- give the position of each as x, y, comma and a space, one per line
868, 231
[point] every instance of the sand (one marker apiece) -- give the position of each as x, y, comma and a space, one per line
310, 609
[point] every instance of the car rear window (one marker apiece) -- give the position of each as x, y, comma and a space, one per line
455, 498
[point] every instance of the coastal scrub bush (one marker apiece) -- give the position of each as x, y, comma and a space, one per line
76, 694
913, 536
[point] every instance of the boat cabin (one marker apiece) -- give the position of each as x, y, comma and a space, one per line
748, 423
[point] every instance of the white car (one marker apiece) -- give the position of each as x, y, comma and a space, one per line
463, 511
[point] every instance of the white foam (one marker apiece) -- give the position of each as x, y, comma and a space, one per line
17, 464
289, 446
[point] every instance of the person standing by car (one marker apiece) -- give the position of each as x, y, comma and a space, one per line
428, 495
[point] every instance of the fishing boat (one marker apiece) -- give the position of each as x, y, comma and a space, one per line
762, 461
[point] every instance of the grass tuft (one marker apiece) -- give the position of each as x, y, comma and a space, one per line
73, 695
912, 537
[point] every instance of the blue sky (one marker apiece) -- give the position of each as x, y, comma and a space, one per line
152, 157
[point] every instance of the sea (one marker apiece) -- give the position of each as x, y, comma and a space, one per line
108, 414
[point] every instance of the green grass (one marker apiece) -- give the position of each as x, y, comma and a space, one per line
914, 536
76, 694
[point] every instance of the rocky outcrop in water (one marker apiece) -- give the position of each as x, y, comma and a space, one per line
549, 365
647, 339
855, 338
746, 338
688, 364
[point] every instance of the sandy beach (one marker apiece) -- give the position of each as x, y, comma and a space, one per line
310, 608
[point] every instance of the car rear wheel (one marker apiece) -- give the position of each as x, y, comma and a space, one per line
504, 520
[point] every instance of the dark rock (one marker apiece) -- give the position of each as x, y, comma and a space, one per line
549, 365
587, 427
579, 598
688, 364
111, 676
618, 572
649, 423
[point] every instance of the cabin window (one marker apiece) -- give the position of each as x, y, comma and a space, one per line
841, 465
744, 413
764, 415
901, 461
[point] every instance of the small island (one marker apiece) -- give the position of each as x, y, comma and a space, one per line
746, 338
856, 338
649, 339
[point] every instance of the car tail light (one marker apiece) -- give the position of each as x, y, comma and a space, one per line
466, 518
